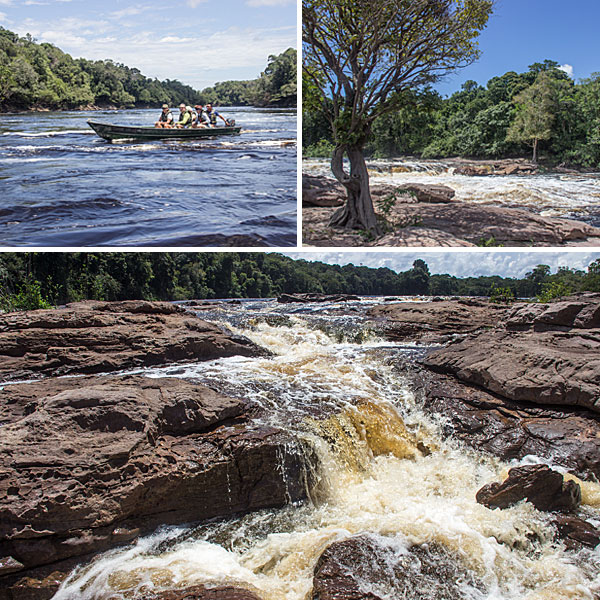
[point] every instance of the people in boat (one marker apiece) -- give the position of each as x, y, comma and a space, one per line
185, 116
212, 116
165, 121
201, 120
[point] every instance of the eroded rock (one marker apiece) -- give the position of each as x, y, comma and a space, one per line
100, 337
544, 487
89, 463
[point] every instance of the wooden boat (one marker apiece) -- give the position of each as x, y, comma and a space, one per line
123, 132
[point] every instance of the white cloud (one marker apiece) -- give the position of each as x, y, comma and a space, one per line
195, 3
128, 12
458, 263
3, 16
568, 69
6, 2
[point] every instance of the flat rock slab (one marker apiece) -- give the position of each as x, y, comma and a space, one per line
543, 354
200, 592
100, 337
88, 463
435, 322
435, 219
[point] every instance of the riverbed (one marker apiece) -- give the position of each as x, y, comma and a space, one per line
62, 185
385, 470
572, 195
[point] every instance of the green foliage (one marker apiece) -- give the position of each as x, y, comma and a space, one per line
323, 148
42, 76
27, 297
553, 290
501, 295
489, 242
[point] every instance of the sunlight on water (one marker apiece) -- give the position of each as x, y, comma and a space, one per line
384, 469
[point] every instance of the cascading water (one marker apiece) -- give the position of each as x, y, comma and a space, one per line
384, 470
554, 195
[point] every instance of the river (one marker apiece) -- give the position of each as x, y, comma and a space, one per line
573, 196
62, 185
385, 470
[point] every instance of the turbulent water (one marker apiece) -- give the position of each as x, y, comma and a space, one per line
384, 470
62, 185
574, 196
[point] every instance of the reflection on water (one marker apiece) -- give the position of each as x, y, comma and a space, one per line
573, 196
385, 470
64, 186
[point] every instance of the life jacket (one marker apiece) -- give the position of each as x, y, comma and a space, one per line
212, 117
185, 118
164, 117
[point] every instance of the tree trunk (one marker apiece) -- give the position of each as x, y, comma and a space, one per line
535, 145
358, 212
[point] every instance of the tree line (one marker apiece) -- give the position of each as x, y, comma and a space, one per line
539, 112
37, 279
42, 76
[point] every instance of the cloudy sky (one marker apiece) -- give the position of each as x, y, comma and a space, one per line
521, 32
198, 42
459, 263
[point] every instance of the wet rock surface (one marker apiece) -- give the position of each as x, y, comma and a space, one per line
99, 337
202, 593
544, 487
302, 298
366, 568
576, 533
528, 386
435, 322
420, 220
90, 463
547, 354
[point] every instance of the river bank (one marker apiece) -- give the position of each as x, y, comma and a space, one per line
295, 438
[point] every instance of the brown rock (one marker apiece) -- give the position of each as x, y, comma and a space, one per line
96, 337
545, 354
200, 592
303, 298
538, 484
435, 322
429, 193
362, 568
89, 463
576, 533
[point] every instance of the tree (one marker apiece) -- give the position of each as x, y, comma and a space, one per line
363, 54
535, 116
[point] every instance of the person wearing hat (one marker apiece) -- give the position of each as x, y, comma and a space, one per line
200, 120
165, 121
185, 116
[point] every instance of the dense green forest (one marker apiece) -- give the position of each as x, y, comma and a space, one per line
40, 76
31, 280
517, 114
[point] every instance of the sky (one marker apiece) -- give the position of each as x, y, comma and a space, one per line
521, 32
469, 263
198, 42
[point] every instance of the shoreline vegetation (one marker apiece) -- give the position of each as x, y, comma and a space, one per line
39, 77
485, 122
40, 280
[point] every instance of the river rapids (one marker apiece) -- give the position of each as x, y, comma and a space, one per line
384, 470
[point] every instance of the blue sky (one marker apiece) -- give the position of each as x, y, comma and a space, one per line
521, 32
198, 42
459, 263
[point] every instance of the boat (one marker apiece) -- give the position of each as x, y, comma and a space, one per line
124, 132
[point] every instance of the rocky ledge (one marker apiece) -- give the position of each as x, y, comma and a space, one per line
89, 463
527, 386
99, 337
428, 216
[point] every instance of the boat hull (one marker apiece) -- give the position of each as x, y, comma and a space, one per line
123, 132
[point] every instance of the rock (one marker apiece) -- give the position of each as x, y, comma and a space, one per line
576, 533
89, 463
540, 356
429, 193
508, 429
538, 484
200, 592
369, 568
434, 322
9, 565
423, 223
289, 298
97, 337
